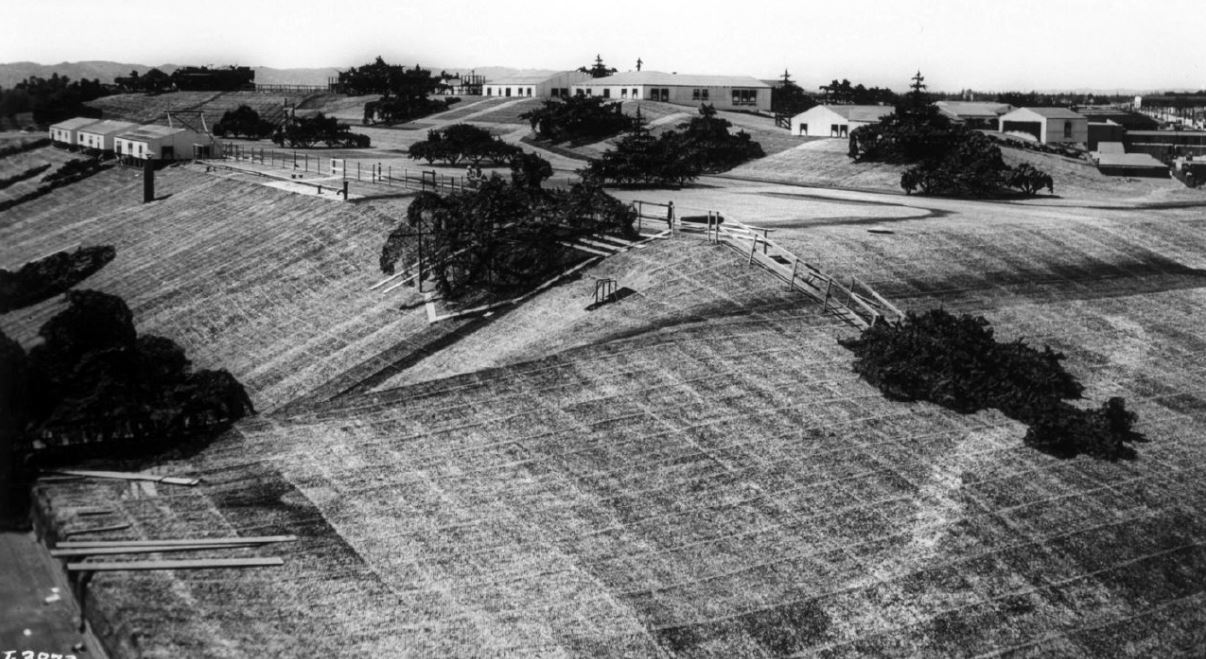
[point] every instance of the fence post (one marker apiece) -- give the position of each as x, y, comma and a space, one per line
390, 179
791, 285
357, 171
828, 285
753, 249
670, 216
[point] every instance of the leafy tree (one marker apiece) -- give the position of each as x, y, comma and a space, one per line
956, 362
243, 122
702, 145
403, 91
306, 132
462, 141
52, 99
578, 120
14, 407
529, 170
504, 236
598, 69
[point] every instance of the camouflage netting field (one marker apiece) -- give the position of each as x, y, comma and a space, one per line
694, 470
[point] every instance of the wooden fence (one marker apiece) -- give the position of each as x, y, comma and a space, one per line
856, 303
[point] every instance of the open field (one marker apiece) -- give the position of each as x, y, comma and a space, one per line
234, 272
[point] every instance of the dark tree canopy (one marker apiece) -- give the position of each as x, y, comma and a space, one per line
843, 92
789, 98
52, 99
307, 132
578, 120
94, 380
244, 122
404, 92
700, 146
43, 279
955, 361
504, 236
462, 142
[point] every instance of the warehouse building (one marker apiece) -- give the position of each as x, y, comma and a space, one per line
545, 85
721, 92
837, 120
65, 133
1047, 125
100, 135
159, 143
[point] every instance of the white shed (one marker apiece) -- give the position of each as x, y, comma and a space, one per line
65, 132
545, 85
159, 143
719, 91
837, 120
99, 136
1049, 125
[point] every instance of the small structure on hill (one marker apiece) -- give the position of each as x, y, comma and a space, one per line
65, 133
837, 120
99, 137
1105, 132
1048, 125
719, 91
973, 114
546, 85
159, 143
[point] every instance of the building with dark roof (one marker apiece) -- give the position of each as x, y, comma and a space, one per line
1048, 125
837, 120
723, 92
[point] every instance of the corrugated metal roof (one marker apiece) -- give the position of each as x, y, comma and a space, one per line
150, 132
109, 127
75, 123
660, 78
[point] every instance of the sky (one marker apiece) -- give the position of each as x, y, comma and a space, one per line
992, 46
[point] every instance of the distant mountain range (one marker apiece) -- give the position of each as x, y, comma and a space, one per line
13, 72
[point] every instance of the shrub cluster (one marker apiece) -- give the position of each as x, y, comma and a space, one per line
244, 122
94, 381
24, 146
306, 132
702, 145
42, 279
955, 361
462, 142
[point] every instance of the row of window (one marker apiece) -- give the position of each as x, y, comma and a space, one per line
835, 130
740, 96
506, 91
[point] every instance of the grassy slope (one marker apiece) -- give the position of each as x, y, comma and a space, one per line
148, 108
721, 487
19, 163
269, 285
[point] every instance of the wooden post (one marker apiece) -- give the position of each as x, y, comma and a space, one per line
670, 215
753, 249
390, 179
765, 240
357, 171
791, 285
828, 285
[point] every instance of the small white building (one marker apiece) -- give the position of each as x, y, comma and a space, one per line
721, 92
1049, 125
974, 114
159, 143
837, 120
99, 136
65, 133
545, 85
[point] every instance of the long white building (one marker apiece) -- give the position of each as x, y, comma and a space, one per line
721, 92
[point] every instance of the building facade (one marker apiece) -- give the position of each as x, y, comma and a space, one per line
973, 114
1047, 125
100, 135
158, 143
721, 92
837, 120
65, 133
555, 85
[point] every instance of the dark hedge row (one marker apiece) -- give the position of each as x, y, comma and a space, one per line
17, 178
43, 279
